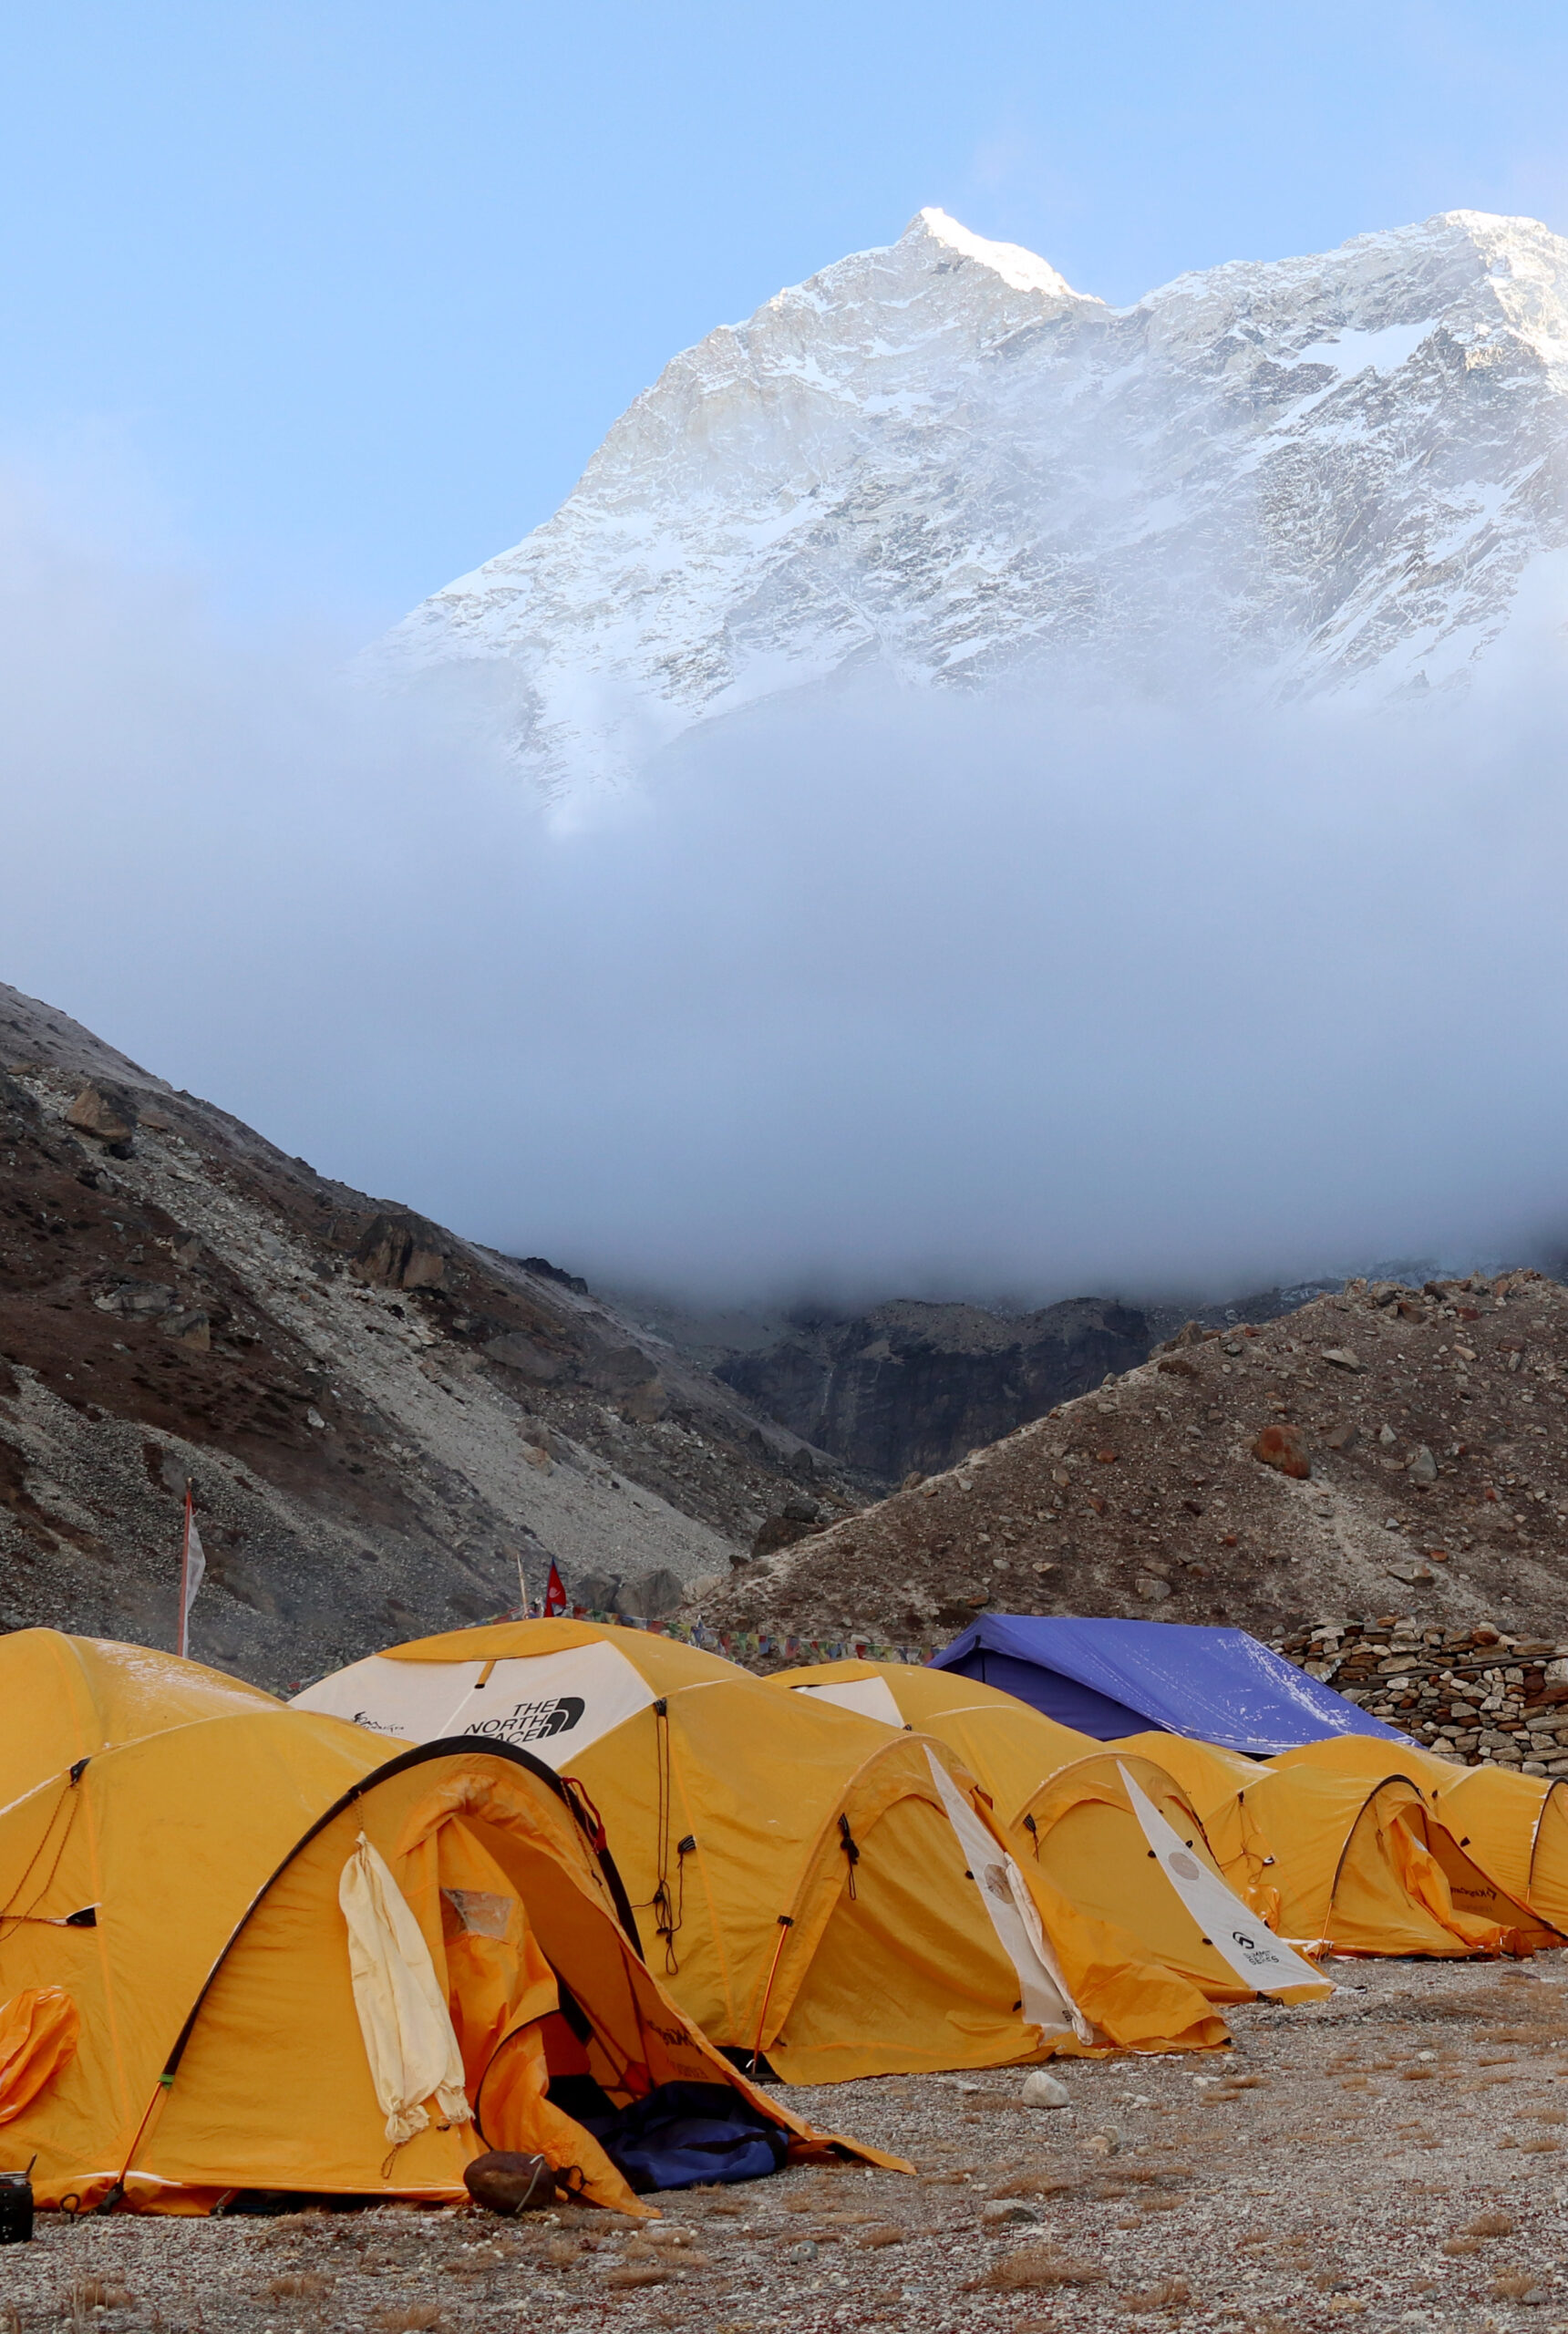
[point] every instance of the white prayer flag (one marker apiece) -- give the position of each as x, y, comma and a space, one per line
192, 1566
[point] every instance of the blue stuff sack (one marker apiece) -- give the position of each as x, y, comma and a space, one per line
682, 2135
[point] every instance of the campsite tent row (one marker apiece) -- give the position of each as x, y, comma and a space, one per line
1302, 1851
935, 1876
1134, 1833
247, 1947
1350, 1842
820, 1887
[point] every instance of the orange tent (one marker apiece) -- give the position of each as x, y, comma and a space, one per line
1515, 1827
1010, 1747
1499, 1839
1208, 1774
1360, 1865
1216, 1784
253, 1953
62, 1698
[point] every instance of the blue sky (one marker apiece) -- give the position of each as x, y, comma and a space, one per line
335, 299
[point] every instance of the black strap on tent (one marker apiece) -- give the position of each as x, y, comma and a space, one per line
667, 1905
847, 1840
670, 1905
67, 1804
1033, 1828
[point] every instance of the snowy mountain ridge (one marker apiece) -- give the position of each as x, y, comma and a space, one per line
937, 458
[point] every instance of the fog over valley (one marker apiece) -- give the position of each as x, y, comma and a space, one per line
875, 989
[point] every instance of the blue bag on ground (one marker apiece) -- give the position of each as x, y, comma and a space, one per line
680, 2135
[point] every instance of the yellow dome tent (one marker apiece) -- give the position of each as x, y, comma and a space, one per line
1359, 1862
1124, 1831
252, 1953
1367, 1757
1010, 1747
63, 1698
810, 1886
1208, 1774
1501, 1839
1516, 1828
1101, 1825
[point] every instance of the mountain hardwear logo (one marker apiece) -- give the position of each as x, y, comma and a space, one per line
1259, 1955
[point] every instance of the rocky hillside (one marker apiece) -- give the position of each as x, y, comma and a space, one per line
1387, 1451
382, 1421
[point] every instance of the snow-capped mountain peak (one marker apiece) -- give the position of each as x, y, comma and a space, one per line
938, 457
1020, 269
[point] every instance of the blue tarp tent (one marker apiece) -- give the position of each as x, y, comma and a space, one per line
1115, 1677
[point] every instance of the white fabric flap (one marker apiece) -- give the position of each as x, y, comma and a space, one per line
1251, 1948
1045, 2000
867, 1697
403, 2016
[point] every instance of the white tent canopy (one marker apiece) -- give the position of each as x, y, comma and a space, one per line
551, 1704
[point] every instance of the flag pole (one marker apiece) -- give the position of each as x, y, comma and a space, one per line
185, 1575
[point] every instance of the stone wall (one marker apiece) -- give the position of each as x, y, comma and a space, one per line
1477, 1695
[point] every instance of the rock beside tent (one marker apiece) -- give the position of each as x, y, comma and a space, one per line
1386, 1454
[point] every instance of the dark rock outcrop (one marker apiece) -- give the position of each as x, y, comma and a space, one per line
796, 1520
910, 1387
403, 1252
106, 1111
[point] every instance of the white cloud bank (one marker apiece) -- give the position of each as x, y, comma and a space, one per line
875, 992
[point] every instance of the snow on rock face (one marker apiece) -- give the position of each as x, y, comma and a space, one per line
939, 457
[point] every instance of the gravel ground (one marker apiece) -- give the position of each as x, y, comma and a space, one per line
1302, 2183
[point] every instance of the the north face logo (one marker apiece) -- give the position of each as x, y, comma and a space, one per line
533, 1721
